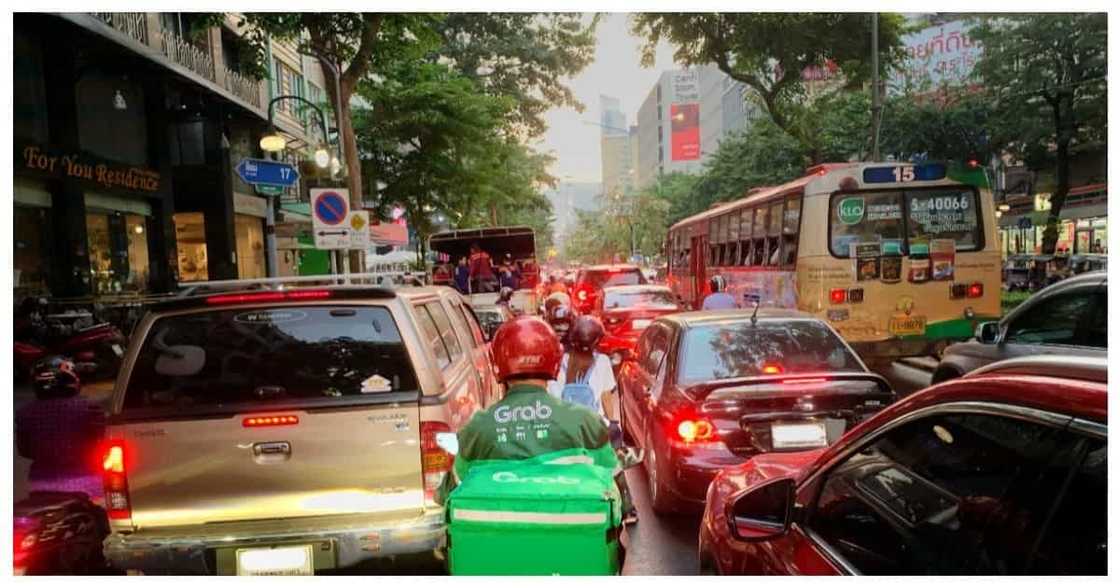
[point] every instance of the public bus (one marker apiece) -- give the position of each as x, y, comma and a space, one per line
899, 258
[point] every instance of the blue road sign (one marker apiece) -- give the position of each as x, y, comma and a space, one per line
331, 208
262, 171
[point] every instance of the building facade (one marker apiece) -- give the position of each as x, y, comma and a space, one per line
669, 140
126, 139
614, 148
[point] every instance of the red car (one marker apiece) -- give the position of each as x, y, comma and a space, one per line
626, 311
591, 280
1003, 471
707, 390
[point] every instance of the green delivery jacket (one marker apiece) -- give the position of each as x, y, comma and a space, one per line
527, 423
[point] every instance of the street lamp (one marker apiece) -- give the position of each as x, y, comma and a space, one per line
274, 141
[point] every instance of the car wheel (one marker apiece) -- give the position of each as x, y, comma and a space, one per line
944, 374
658, 495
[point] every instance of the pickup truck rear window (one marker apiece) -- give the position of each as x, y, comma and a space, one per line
269, 356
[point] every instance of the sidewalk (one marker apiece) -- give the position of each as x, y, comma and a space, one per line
101, 392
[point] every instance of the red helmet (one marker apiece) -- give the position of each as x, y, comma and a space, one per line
526, 346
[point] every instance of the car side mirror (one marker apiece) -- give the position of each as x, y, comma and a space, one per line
762, 513
988, 332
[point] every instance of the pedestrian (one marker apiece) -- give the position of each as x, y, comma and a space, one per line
718, 299
59, 431
526, 356
505, 277
463, 276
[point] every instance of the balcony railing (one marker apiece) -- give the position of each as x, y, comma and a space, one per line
243, 87
133, 24
186, 54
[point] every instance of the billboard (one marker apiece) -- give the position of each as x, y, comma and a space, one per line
685, 131
937, 55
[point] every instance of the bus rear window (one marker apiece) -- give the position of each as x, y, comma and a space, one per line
897, 219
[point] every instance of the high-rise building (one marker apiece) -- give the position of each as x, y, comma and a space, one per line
684, 118
615, 148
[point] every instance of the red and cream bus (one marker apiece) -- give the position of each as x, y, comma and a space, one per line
899, 258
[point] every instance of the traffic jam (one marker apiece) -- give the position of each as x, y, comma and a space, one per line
309, 426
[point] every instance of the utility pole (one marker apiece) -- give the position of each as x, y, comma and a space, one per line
876, 95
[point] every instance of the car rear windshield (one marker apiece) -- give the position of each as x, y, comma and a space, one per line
740, 349
269, 356
904, 222
649, 299
604, 278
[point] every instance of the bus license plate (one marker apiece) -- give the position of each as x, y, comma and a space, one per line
907, 325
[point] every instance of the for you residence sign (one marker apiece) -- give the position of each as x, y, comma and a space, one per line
105, 174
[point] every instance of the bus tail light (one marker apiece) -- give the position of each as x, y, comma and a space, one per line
976, 290
838, 295
115, 479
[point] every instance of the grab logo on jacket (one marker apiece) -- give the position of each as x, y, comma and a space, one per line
513, 414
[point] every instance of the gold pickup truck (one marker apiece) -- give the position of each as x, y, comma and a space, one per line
285, 432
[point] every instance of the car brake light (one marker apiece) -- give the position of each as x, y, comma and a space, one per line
290, 295
771, 369
696, 430
435, 462
805, 381
270, 421
976, 290
114, 476
837, 295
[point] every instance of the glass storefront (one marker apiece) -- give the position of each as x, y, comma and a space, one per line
1080, 236
190, 239
118, 251
31, 220
250, 246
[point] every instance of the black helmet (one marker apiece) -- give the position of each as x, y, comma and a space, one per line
718, 284
586, 333
505, 294
56, 377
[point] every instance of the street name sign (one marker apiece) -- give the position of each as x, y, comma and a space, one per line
263, 171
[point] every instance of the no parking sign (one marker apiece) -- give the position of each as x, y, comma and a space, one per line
330, 213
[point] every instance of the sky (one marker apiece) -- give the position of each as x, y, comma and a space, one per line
617, 72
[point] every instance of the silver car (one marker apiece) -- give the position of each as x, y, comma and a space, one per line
1066, 318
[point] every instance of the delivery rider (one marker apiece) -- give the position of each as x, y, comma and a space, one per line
529, 421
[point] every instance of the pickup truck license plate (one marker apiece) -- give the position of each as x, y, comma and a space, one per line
293, 560
639, 324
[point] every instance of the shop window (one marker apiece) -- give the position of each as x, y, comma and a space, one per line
190, 241
29, 256
118, 252
136, 228
250, 246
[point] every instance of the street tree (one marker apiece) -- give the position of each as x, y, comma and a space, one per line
954, 124
352, 44
1046, 77
522, 55
769, 51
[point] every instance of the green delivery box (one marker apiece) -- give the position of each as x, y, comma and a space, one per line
533, 518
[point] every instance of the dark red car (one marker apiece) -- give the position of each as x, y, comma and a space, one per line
707, 390
1003, 471
626, 311
591, 280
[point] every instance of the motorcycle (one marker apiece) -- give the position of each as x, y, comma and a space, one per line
38, 337
58, 533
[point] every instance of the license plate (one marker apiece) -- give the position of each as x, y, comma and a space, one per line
907, 325
117, 349
278, 561
798, 435
640, 324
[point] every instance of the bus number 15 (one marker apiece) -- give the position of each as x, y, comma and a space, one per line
904, 174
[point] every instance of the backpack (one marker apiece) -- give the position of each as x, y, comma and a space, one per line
580, 393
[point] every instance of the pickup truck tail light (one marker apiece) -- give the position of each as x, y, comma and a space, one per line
435, 462
115, 478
